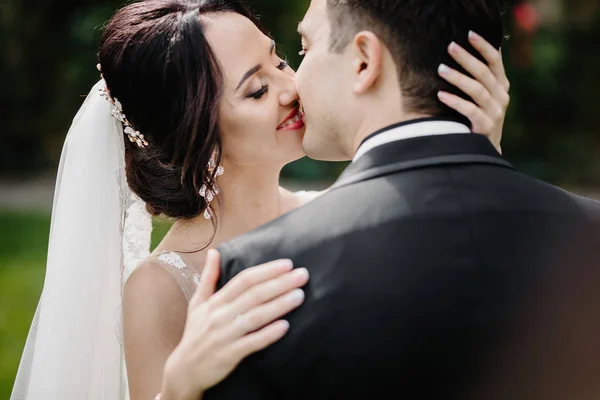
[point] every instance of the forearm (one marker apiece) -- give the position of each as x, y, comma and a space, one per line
176, 383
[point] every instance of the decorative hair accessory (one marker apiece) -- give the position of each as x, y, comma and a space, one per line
117, 113
207, 193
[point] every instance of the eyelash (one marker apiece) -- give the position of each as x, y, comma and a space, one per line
265, 88
283, 65
257, 95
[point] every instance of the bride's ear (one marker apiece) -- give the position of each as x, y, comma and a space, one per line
368, 60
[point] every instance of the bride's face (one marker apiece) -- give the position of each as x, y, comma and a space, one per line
259, 114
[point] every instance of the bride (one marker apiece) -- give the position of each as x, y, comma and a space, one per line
194, 118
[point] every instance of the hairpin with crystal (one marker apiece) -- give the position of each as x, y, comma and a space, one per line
116, 110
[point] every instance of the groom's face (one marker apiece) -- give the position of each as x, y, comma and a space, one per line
322, 84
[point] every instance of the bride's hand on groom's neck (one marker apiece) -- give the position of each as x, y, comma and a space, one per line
489, 88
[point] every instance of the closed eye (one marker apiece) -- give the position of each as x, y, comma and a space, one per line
283, 65
260, 93
265, 88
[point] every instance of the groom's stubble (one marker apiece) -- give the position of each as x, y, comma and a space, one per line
320, 80
348, 85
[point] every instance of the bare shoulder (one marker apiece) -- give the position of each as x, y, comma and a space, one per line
150, 285
154, 315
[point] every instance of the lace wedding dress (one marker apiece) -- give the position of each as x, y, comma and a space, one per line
187, 275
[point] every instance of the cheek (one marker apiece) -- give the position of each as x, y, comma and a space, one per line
248, 132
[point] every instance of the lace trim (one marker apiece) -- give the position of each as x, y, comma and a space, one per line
187, 278
137, 234
173, 259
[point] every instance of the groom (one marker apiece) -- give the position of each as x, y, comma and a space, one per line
437, 270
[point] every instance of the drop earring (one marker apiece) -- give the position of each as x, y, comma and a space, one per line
209, 194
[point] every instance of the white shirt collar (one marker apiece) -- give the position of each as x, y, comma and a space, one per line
411, 130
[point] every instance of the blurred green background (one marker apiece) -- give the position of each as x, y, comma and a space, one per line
47, 62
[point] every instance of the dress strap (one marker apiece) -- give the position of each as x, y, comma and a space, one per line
187, 278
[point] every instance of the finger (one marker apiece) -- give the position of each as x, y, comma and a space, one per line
479, 120
259, 340
480, 71
466, 108
505, 82
481, 123
267, 291
260, 316
473, 88
493, 57
250, 277
208, 279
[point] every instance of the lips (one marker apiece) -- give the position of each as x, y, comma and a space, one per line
292, 121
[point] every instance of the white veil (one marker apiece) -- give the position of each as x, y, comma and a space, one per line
74, 348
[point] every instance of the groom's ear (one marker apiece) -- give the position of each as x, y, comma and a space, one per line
368, 60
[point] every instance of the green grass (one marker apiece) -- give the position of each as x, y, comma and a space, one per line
23, 248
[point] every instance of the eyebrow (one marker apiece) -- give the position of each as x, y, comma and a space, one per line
254, 69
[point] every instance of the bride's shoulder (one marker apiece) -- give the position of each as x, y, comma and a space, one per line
150, 287
171, 266
163, 278
151, 273
306, 196
153, 304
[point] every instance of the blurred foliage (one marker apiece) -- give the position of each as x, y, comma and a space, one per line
553, 123
23, 247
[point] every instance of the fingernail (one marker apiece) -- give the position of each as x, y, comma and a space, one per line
453, 48
301, 273
443, 69
442, 96
285, 325
297, 295
473, 36
287, 264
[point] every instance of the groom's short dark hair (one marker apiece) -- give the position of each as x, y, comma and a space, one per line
417, 33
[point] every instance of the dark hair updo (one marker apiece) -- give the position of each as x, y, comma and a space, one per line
156, 60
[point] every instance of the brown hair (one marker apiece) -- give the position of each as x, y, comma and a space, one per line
418, 33
157, 61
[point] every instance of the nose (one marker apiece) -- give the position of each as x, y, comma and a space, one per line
288, 93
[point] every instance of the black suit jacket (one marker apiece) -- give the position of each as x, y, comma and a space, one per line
438, 271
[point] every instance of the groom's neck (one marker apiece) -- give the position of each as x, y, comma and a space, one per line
378, 122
